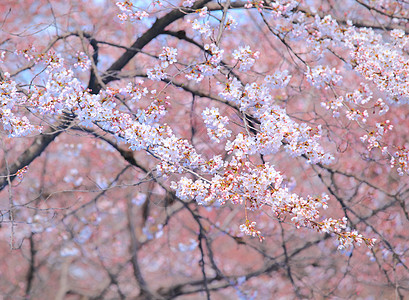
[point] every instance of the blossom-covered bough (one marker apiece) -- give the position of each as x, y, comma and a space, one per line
240, 119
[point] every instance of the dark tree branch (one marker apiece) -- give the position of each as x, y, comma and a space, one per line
32, 267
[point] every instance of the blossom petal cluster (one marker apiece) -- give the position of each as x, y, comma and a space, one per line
216, 124
129, 12
10, 98
246, 57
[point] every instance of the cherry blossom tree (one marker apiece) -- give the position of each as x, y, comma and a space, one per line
204, 149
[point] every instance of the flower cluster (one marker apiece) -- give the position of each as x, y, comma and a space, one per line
216, 124
355, 114
360, 96
232, 90
134, 91
203, 12
304, 211
345, 238
278, 80
210, 67
246, 57
231, 23
29, 53
260, 186
157, 73
331, 225
61, 92
128, 13
298, 139
20, 173
380, 62
399, 38
401, 160
386, 67
242, 145
82, 61
333, 105
259, 4
153, 113
348, 238
167, 57
276, 127
187, 189
383, 107
10, 98
195, 73
323, 76
250, 229
216, 54
213, 165
203, 27
374, 137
